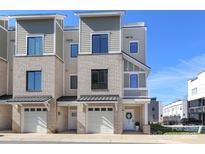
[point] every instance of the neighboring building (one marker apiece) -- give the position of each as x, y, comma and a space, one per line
196, 97
154, 110
90, 78
174, 112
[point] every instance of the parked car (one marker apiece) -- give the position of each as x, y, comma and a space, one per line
190, 121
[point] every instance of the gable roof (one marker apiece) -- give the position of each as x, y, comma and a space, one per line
135, 61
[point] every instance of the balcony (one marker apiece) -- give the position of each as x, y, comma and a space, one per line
196, 109
135, 92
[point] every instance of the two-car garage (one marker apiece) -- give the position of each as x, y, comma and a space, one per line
100, 120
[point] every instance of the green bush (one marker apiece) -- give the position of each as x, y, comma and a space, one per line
158, 129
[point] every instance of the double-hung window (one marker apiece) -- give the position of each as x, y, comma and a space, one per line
33, 80
74, 50
134, 47
99, 79
100, 43
34, 45
134, 81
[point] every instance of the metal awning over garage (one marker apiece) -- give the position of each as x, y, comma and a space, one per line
29, 99
99, 98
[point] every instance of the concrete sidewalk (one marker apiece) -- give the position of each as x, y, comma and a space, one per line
99, 138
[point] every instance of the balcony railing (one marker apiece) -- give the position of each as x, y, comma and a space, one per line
196, 109
135, 93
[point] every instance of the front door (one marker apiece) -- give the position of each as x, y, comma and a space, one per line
129, 119
72, 120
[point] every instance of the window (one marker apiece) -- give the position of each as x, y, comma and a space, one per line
194, 91
90, 109
153, 109
26, 109
134, 47
38, 109
97, 109
133, 81
103, 109
100, 43
33, 81
33, 109
73, 82
34, 45
44, 109
109, 109
99, 79
74, 50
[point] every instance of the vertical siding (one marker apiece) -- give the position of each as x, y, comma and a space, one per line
3, 43
25, 27
138, 34
100, 24
71, 36
59, 41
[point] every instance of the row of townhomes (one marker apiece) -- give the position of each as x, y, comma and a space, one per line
90, 78
196, 97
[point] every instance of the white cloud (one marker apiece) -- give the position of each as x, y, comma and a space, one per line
171, 83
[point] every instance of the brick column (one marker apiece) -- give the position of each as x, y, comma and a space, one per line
118, 118
16, 119
52, 117
81, 119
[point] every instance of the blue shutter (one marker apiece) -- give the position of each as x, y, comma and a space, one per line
133, 47
133, 81
37, 81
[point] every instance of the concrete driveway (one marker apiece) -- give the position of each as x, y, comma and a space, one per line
99, 138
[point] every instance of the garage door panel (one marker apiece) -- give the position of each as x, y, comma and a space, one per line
100, 121
35, 121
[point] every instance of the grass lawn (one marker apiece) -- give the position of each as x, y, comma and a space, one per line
158, 129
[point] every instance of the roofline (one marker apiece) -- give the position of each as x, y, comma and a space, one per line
99, 13
136, 60
37, 16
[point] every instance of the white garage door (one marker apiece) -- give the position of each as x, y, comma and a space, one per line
100, 120
35, 120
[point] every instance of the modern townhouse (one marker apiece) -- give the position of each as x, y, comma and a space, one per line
90, 78
174, 112
196, 95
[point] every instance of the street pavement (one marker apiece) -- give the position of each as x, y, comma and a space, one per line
11, 138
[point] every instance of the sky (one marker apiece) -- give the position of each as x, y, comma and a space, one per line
175, 47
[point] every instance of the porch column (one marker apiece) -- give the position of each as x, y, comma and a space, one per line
145, 114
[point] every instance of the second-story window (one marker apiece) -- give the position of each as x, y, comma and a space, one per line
134, 81
99, 79
34, 45
73, 50
134, 47
100, 43
33, 80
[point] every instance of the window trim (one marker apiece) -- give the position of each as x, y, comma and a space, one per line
134, 41
70, 44
91, 41
107, 80
34, 81
139, 88
35, 35
70, 81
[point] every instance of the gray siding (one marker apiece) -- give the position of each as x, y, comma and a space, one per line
3, 43
100, 24
137, 34
25, 27
11, 50
59, 41
71, 36
4, 23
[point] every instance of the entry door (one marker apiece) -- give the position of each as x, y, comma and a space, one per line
72, 120
129, 120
